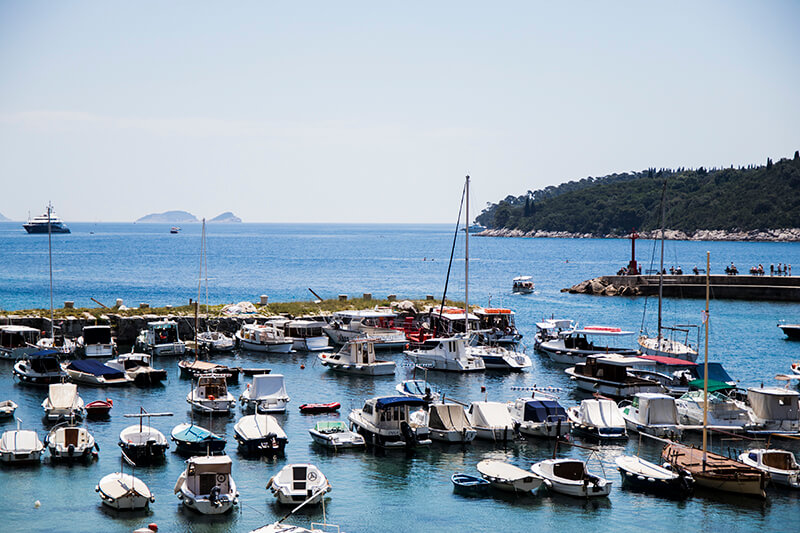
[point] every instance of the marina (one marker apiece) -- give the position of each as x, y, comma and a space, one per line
750, 355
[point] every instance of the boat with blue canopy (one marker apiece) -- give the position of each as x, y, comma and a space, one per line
539, 417
91, 372
191, 439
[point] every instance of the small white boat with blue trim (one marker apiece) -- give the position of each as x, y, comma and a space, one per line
335, 434
570, 477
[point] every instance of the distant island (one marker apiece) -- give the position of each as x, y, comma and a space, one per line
169, 217
227, 217
3, 218
745, 203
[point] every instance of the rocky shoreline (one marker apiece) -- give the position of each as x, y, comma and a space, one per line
772, 235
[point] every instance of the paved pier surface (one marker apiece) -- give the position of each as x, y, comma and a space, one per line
740, 287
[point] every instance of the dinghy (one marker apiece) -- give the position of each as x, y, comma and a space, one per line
190, 439
96, 374
207, 486
63, 402
7, 409
20, 446
509, 478
266, 393
598, 419
780, 465
99, 408
570, 477
124, 492
336, 435
296, 483
260, 434
467, 484
68, 442
315, 408
648, 477
491, 420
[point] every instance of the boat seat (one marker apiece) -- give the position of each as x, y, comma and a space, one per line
573, 470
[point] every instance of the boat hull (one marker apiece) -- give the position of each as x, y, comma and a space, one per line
446, 364
544, 430
452, 436
150, 452
278, 347
203, 505
495, 434
385, 368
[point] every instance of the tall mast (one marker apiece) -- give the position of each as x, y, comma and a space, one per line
466, 266
50, 254
661, 268
199, 284
705, 363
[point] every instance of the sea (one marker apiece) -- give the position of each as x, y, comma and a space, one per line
373, 490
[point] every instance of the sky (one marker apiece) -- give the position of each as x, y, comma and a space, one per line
373, 112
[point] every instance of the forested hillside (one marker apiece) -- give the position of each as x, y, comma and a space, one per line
743, 199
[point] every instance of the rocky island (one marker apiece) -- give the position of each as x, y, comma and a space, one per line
169, 217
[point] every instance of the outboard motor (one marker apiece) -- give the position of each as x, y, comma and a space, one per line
408, 434
71, 450
213, 496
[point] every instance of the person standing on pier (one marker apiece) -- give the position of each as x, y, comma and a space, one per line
772, 269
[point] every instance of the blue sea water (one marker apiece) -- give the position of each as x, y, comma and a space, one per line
374, 491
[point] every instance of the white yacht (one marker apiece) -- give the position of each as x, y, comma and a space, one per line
723, 412
266, 394
385, 422
652, 413
374, 324
450, 354
97, 341
161, 338
499, 358
491, 420
207, 485
307, 335
523, 285
211, 395
357, 356
48, 218
572, 346
298, 483
263, 338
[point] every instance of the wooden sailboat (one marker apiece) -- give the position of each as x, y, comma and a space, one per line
711, 470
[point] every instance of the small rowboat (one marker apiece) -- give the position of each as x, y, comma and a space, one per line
313, 408
469, 484
99, 408
255, 371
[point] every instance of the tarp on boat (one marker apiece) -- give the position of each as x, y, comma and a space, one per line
601, 414
543, 411
713, 385
268, 386
715, 372
448, 417
657, 409
669, 361
391, 401
90, 366
62, 395
774, 403
491, 415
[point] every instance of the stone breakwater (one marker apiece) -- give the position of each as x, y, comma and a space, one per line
773, 235
603, 287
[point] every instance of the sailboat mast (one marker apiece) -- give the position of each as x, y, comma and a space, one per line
199, 284
50, 255
466, 266
661, 268
705, 362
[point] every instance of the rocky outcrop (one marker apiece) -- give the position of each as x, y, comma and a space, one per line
601, 287
226, 218
169, 217
772, 235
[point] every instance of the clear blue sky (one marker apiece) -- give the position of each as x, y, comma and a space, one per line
374, 111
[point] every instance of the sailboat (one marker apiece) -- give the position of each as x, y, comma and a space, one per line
711, 470
661, 345
208, 341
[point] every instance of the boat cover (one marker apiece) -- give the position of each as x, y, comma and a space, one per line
44, 362
193, 433
544, 411
713, 385
21, 440
118, 485
657, 409
268, 386
254, 427
491, 415
392, 401
774, 403
62, 395
668, 361
96, 368
601, 414
450, 417
715, 372
501, 470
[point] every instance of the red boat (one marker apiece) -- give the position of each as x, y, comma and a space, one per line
99, 408
311, 408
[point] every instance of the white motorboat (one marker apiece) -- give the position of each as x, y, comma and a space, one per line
142, 443
491, 420
20, 446
18, 341
613, 375
550, 329
540, 416
776, 409
357, 356
267, 394
69, 442
124, 492
63, 402
451, 321
138, 367
523, 285
335, 434
451, 354
648, 477
297, 483
307, 335
374, 324
570, 477
211, 395
260, 434
57, 342
95, 373
497, 326
7, 408
447, 422
723, 412
781, 465
207, 485
418, 388
599, 419
97, 341
499, 358
508, 477
386, 422
161, 338
263, 338
654, 414
215, 341
573, 346
39, 368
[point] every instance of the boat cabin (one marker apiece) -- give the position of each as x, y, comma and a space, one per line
304, 328
775, 403
211, 387
522, 284
12, 337
205, 473
496, 318
612, 368
451, 321
369, 318
389, 412
162, 332
97, 335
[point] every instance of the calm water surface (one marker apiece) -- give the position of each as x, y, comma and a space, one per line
373, 491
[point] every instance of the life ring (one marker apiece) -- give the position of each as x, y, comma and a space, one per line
221, 478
